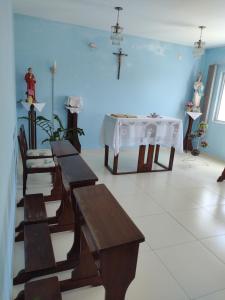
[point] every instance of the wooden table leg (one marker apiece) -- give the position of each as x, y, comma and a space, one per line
118, 268
115, 163
142, 166
106, 155
156, 159
172, 153
32, 128
141, 158
151, 149
222, 176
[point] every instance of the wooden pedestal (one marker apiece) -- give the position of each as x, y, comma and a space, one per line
187, 140
32, 128
72, 124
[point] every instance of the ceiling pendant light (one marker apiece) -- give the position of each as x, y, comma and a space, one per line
199, 46
117, 30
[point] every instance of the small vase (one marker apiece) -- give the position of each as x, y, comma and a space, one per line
195, 152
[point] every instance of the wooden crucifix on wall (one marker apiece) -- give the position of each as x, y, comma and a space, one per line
119, 54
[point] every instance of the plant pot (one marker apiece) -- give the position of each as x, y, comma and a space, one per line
195, 152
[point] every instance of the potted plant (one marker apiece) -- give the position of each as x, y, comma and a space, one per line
198, 137
54, 133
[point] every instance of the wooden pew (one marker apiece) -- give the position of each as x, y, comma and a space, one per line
63, 221
106, 244
76, 173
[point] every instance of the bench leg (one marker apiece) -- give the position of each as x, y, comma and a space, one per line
222, 176
118, 268
20, 296
85, 273
86, 267
24, 276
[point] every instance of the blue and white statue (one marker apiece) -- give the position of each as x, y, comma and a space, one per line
198, 91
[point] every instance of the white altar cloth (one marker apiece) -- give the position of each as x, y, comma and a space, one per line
129, 132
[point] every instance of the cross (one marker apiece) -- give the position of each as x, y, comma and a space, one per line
120, 54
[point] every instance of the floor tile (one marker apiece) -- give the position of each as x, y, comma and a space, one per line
215, 296
200, 223
153, 281
162, 231
197, 270
216, 245
139, 204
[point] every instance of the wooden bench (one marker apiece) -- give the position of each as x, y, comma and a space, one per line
75, 173
63, 148
106, 242
105, 247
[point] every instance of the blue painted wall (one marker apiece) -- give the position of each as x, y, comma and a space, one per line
8, 150
216, 131
153, 79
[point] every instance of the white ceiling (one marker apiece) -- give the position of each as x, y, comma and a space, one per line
166, 20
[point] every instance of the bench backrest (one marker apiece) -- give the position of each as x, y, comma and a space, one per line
23, 136
23, 151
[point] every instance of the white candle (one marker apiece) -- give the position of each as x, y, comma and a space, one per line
54, 66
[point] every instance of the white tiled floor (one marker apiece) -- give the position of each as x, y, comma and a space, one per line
182, 215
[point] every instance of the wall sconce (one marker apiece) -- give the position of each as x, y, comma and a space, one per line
53, 68
92, 45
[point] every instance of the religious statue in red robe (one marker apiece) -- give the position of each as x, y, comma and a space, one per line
31, 81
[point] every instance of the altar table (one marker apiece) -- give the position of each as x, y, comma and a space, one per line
142, 131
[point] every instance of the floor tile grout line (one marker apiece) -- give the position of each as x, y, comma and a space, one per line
171, 274
206, 295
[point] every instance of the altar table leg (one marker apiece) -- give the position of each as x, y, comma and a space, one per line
172, 153
151, 149
157, 153
106, 155
115, 163
171, 159
141, 157
142, 166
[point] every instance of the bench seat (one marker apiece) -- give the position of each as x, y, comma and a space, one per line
39, 254
44, 289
